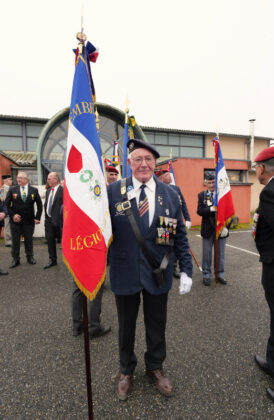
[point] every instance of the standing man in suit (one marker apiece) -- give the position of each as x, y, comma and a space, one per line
7, 183
3, 213
20, 204
264, 238
164, 176
154, 209
53, 203
208, 232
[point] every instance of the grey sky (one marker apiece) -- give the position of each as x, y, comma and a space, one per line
198, 65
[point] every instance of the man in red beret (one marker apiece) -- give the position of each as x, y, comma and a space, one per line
112, 174
264, 238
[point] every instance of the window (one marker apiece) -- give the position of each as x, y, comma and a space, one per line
177, 145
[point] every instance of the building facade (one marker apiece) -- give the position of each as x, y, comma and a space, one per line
38, 145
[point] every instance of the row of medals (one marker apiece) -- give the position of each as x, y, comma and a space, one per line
167, 228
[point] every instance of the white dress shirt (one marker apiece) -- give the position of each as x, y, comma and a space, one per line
53, 192
150, 193
25, 189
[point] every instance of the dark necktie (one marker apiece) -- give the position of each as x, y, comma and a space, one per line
143, 207
50, 202
24, 195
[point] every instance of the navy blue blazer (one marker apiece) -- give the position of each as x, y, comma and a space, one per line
208, 217
130, 272
182, 202
265, 226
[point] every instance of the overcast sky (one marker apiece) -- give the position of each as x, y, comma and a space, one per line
186, 64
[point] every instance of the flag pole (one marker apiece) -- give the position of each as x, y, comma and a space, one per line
82, 38
87, 358
216, 218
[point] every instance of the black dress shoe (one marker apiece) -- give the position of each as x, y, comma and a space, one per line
31, 260
263, 365
206, 281
270, 393
3, 272
221, 280
101, 331
14, 263
51, 263
77, 331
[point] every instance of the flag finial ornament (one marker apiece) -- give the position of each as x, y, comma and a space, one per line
82, 39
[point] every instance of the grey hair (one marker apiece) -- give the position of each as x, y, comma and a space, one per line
25, 175
268, 164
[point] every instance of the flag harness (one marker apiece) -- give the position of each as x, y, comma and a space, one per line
158, 271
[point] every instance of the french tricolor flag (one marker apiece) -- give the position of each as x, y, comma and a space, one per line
223, 196
87, 226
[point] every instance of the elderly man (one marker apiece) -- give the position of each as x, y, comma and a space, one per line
3, 213
165, 176
112, 174
264, 239
20, 204
147, 226
53, 203
208, 231
7, 183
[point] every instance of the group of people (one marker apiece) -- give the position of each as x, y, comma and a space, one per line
148, 236
23, 207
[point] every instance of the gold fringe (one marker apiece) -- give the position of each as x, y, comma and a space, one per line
91, 296
226, 223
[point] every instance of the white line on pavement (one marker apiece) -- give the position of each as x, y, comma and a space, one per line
244, 250
240, 249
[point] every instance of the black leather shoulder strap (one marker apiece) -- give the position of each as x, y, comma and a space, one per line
139, 238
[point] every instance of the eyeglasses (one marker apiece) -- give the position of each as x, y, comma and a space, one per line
139, 160
254, 165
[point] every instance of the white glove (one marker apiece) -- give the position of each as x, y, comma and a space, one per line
213, 208
224, 233
185, 284
188, 224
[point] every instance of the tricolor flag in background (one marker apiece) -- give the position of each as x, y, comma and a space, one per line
223, 196
171, 171
87, 226
126, 168
115, 157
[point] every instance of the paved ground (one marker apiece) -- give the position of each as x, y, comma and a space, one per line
212, 336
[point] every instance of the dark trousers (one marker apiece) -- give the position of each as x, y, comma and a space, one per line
18, 229
94, 309
268, 284
51, 233
155, 315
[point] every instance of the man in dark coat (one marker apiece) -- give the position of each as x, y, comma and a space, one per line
53, 203
264, 239
207, 210
20, 202
156, 210
164, 176
3, 213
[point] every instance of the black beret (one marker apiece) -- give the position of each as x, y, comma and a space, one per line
6, 177
209, 175
134, 144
